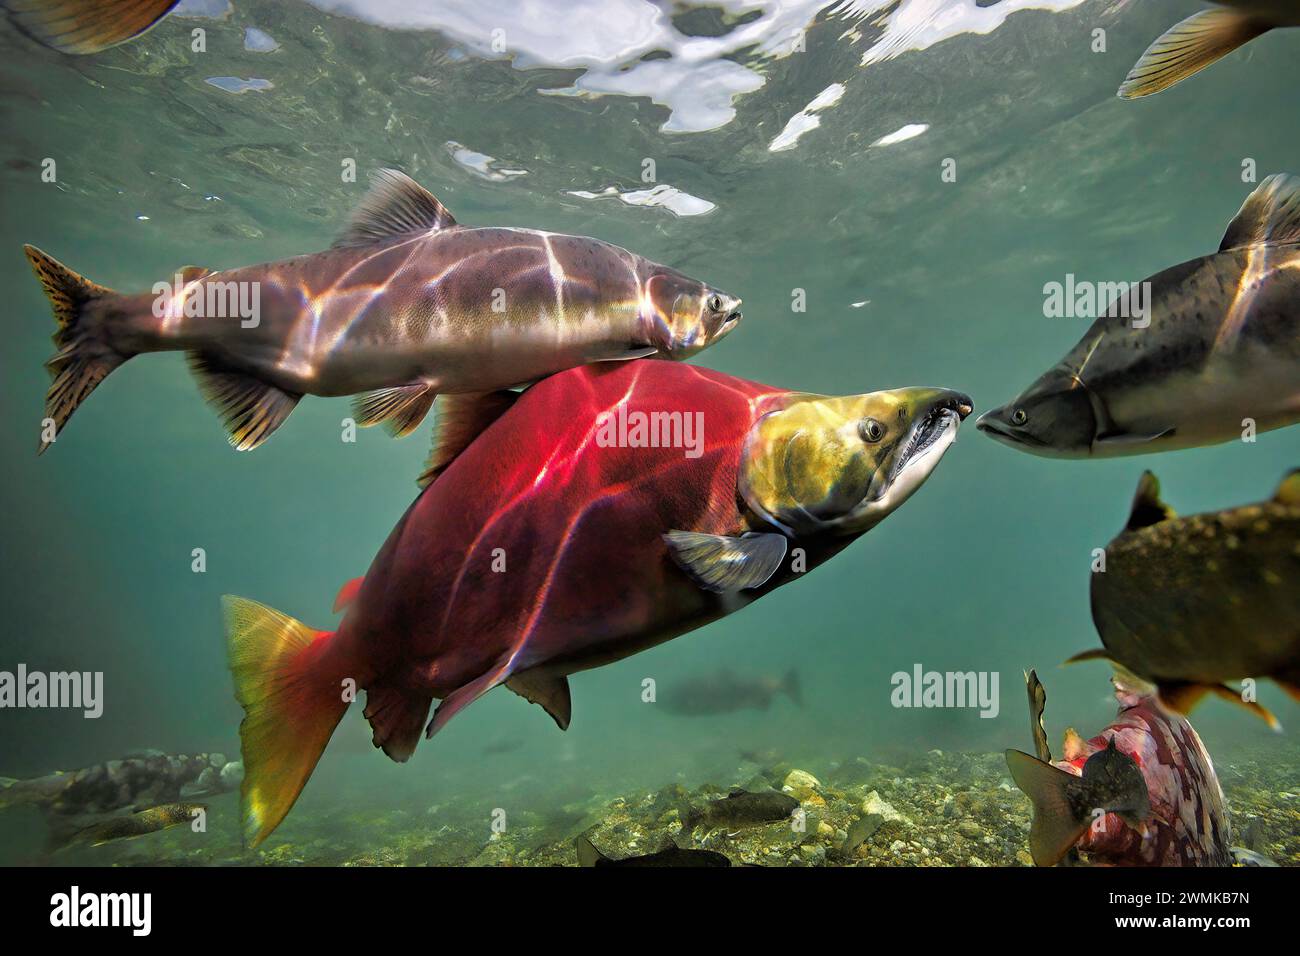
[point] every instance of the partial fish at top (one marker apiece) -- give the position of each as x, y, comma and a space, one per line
406, 305
1203, 39
86, 26
1217, 350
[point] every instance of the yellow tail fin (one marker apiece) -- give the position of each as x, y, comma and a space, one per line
1188, 48
86, 26
292, 703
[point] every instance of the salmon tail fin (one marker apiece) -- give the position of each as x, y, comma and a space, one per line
85, 26
793, 687
1189, 47
1056, 825
84, 358
291, 707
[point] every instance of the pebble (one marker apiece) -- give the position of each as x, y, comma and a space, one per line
801, 785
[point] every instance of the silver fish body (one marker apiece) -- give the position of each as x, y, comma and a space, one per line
1214, 354
407, 305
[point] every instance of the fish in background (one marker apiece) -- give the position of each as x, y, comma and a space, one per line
1203, 38
1219, 344
725, 693
670, 854
739, 808
1143, 792
128, 827
1189, 603
406, 305
136, 781
544, 545
86, 26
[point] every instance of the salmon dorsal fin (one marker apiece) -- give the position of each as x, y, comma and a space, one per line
1288, 493
395, 206
1270, 215
461, 419
1147, 508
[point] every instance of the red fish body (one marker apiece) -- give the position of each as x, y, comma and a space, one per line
565, 536
1189, 823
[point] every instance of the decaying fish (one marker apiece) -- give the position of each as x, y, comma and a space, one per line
668, 855
407, 305
740, 808
546, 544
1203, 38
1215, 352
1188, 603
726, 692
128, 827
85, 26
1143, 792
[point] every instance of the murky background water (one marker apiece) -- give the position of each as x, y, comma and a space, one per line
776, 170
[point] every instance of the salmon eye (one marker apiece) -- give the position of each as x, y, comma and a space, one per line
871, 430
1018, 417
715, 303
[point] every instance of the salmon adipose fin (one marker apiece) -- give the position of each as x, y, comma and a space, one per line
291, 707
720, 563
1188, 48
250, 409
395, 207
348, 593
400, 408
461, 419
85, 26
549, 692
84, 358
396, 717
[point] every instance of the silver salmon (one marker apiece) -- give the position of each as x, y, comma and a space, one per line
406, 305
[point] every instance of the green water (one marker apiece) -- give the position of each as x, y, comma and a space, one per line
985, 569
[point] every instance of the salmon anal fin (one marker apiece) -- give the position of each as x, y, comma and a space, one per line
348, 593
86, 26
401, 408
396, 718
550, 692
463, 696
1182, 698
395, 207
461, 419
1189, 47
250, 409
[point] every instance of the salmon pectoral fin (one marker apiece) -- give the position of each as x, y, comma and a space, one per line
249, 408
720, 563
1181, 698
1055, 827
396, 717
400, 409
465, 695
548, 691
461, 419
85, 26
291, 701
1189, 47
